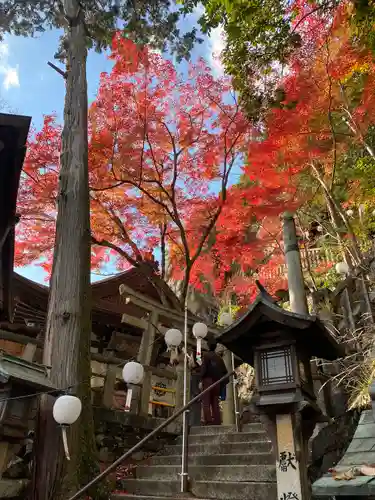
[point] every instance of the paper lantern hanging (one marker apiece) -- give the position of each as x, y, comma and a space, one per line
133, 374
226, 319
173, 339
66, 412
342, 268
199, 332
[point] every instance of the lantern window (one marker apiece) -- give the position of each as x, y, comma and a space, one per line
276, 366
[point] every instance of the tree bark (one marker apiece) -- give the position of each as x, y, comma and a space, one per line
68, 329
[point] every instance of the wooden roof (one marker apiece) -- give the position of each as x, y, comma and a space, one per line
13, 136
31, 299
265, 316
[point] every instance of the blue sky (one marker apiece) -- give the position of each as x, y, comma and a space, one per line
28, 86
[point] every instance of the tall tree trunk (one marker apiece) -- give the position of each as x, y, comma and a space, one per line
68, 330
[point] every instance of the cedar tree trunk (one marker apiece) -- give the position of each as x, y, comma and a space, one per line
68, 330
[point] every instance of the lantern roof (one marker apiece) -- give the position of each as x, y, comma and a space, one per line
265, 316
26, 373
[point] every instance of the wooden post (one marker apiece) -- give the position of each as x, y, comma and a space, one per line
146, 393
228, 404
4, 454
109, 385
292, 466
148, 339
144, 357
296, 284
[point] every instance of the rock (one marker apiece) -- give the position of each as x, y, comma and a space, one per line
330, 444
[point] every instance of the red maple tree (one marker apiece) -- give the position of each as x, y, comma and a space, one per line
162, 149
326, 107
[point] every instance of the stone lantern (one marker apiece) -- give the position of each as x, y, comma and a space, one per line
280, 345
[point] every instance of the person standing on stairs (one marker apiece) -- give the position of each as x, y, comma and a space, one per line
213, 368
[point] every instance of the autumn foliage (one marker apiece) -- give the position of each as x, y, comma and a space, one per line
162, 150
326, 105
177, 174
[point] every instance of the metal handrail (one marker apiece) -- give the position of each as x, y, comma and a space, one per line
139, 445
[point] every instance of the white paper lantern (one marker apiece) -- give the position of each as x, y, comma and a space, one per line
173, 338
66, 411
199, 332
132, 373
226, 319
342, 268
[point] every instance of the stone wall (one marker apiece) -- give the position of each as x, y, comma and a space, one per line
117, 432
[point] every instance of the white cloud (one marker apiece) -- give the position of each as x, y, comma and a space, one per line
217, 44
10, 77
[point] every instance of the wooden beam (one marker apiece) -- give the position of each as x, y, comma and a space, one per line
148, 304
20, 339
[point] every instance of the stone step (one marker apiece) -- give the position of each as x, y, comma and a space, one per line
238, 437
254, 458
229, 472
221, 490
220, 448
224, 429
126, 496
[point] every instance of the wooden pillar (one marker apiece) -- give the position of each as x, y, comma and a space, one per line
144, 357
109, 385
293, 479
148, 339
4, 454
228, 404
296, 284
146, 393
287, 466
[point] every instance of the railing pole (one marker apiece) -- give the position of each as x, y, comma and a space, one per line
139, 445
185, 430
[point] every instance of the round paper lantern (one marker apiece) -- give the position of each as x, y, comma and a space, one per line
200, 330
67, 409
226, 319
133, 373
173, 337
342, 268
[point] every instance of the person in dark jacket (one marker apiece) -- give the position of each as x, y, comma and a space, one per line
213, 368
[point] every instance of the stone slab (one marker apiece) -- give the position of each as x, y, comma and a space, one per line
220, 448
223, 429
361, 451
217, 459
237, 437
219, 490
240, 473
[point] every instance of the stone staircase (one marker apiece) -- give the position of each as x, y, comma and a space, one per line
223, 464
